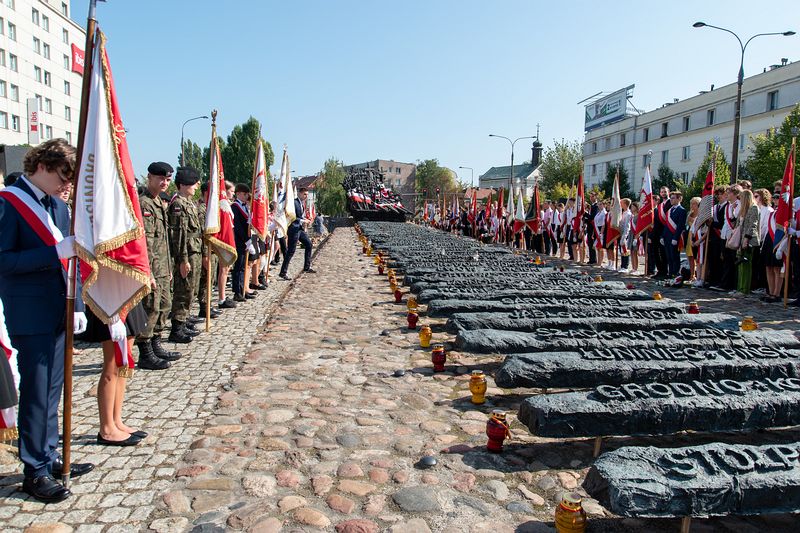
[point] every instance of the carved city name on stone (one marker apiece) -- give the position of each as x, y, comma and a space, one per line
519, 282
529, 295
575, 308
499, 341
592, 367
664, 408
709, 480
514, 322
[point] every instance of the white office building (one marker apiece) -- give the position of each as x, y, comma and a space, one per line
680, 132
41, 58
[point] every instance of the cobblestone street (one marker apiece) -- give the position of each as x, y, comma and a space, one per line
316, 417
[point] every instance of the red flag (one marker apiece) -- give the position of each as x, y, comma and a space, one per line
580, 206
500, 204
519, 214
533, 218
473, 207
219, 217
259, 210
645, 218
8, 415
614, 216
784, 212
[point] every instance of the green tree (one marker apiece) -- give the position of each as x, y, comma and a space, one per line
666, 177
767, 161
560, 191
597, 190
607, 185
561, 164
239, 152
194, 157
431, 175
331, 199
722, 174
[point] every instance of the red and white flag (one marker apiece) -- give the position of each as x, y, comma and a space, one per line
519, 214
614, 224
500, 203
218, 227
645, 218
259, 211
284, 213
8, 414
534, 216
109, 234
707, 200
580, 206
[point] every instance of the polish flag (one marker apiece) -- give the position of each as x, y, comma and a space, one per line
259, 212
8, 414
284, 213
645, 220
219, 217
614, 223
519, 214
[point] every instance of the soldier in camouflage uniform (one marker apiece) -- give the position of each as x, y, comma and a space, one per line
152, 355
186, 239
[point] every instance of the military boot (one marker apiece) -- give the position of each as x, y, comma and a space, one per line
148, 359
190, 329
178, 334
162, 353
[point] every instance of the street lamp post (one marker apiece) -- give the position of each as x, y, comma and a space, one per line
183, 159
737, 118
511, 179
471, 176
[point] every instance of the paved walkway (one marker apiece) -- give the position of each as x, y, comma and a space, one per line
304, 426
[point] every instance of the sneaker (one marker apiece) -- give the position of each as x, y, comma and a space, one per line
227, 304
310, 271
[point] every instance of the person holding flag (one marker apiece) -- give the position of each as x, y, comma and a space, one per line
672, 235
613, 225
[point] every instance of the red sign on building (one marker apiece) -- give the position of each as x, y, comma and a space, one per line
77, 60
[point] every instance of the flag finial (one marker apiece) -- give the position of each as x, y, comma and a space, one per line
213, 117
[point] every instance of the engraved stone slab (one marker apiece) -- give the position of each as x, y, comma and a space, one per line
662, 408
576, 308
490, 292
710, 480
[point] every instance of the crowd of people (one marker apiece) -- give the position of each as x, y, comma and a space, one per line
733, 251
35, 243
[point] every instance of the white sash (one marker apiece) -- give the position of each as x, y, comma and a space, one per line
38, 210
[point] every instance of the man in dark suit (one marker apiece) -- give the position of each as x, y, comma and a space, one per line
591, 234
296, 233
674, 226
34, 245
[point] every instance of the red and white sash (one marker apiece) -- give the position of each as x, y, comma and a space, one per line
663, 212
673, 227
35, 215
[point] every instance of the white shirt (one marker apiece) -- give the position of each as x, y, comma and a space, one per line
600, 218
763, 218
731, 211
36, 190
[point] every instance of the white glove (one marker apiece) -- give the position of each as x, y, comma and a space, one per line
779, 256
66, 248
661, 241
79, 321
793, 232
251, 249
117, 329
674, 242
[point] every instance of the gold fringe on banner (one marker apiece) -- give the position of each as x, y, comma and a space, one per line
125, 372
8, 434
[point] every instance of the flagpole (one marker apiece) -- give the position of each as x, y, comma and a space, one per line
212, 153
72, 268
789, 237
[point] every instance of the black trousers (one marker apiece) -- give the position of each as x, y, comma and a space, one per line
714, 259
296, 233
729, 269
237, 274
590, 244
281, 252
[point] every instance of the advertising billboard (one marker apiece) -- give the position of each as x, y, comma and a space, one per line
607, 109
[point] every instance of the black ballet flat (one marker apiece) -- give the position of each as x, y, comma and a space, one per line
139, 433
130, 441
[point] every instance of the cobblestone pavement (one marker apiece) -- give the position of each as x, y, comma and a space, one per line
172, 405
313, 430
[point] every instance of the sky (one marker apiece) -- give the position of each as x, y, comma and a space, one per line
414, 79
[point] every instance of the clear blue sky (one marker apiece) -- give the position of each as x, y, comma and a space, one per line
413, 79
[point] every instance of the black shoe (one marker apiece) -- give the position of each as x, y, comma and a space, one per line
190, 327
239, 298
75, 469
192, 332
178, 334
130, 441
140, 434
258, 287
45, 489
310, 271
250, 295
284, 277
274, 262
161, 352
227, 304
197, 319
213, 313
262, 280
148, 359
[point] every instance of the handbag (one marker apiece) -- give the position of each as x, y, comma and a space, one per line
734, 242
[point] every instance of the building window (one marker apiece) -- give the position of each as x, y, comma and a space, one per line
48, 79
741, 141
710, 117
685, 123
67, 112
3, 120
2, 26
644, 161
48, 106
45, 23
37, 46
11, 4
622, 139
15, 123
48, 132
685, 178
665, 157
14, 93
3, 89
66, 88
685, 153
37, 74
69, 137
38, 101
12, 31
35, 16
772, 100
664, 129
66, 61
397, 171
12, 62
594, 170
65, 36
2, 57
64, 9
607, 143
646, 135
46, 50
594, 147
